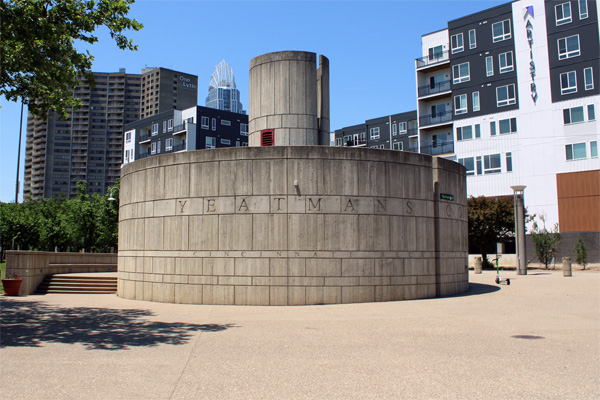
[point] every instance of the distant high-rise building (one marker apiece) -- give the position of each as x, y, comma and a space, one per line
164, 89
222, 92
88, 146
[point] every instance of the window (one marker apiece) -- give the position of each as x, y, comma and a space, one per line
472, 39
583, 9
573, 115
244, 129
397, 146
374, 133
563, 13
267, 137
154, 129
588, 78
170, 125
508, 162
457, 43
381, 146
127, 155
225, 141
338, 142
594, 149
128, 137
394, 129
491, 164
435, 53
402, 127
478, 165
225, 122
501, 31
169, 144
204, 122
461, 73
158, 147
493, 128
214, 124
568, 82
477, 131
506, 62
164, 126
153, 145
576, 151
568, 47
591, 112
211, 142
475, 101
505, 95
469, 164
489, 66
464, 133
460, 104
507, 125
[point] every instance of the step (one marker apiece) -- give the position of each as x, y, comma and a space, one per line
64, 283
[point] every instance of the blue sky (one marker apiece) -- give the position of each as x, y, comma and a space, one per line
371, 46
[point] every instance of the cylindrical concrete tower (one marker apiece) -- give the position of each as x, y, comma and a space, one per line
289, 99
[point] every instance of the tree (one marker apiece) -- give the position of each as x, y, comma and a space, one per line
39, 62
580, 253
491, 220
545, 242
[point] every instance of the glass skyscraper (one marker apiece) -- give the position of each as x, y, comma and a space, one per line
222, 92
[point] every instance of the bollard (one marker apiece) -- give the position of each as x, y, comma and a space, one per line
566, 265
478, 265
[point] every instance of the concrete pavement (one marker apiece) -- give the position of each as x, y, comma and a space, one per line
537, 338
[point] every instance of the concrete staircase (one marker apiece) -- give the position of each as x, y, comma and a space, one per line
78, 283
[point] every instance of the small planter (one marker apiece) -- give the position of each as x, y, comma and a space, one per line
11, 286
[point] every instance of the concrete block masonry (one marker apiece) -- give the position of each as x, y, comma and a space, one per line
229, 226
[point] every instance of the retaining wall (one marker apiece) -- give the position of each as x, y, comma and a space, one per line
33, 266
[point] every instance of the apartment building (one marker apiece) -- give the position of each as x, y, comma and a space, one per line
88, 146
512, 94
194, 128
392, 132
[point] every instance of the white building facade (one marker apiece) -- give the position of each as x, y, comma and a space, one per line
515, 90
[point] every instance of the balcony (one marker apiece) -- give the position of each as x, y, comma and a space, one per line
356, 142
439, 148
177, 129
435, 59
436, 119
439, 87
144, 138
179, 147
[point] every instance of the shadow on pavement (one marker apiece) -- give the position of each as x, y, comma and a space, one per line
477, 289
33, 323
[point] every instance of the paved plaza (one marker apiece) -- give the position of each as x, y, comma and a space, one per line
537, 338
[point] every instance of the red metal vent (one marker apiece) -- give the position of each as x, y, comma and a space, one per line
267, 137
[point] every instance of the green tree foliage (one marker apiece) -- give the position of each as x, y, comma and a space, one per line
545, 242
39, 61
581, 253
491, 220
86, 222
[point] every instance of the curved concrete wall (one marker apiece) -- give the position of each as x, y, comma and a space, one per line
230, 226
283, 97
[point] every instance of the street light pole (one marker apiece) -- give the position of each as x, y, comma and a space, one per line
19, 155
519, 210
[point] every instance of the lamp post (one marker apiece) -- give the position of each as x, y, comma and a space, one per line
519, 211
110, 197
